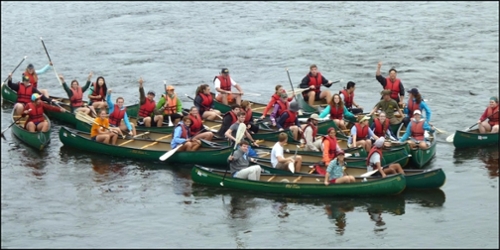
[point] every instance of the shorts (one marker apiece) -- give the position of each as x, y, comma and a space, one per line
316, 96
283, 166
230, 98
140, 122
173, 117
417, 142
332, 181
93, 138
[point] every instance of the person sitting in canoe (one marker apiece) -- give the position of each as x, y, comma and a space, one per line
313, 80
280, 106
310, 132
246, 106
374, 161
231, 132
228, 119
416, 130
415, 101
147, 109
361, 134
97, 96
388, 105
36, 121
274, 98
239, 164
182, 136
381, 128
490, 114
75, 94
205, 103
277, 155
337, 110
222, 84
347, 95
118, 115
197, 126
102, 132
392, 84
171, 106
33, 75
331, 148
289, 119
24, 92
335, 171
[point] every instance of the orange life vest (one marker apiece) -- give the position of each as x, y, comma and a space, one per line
36, 113
361, 133
171, 105
117, 115
380, 129
372, 151
225, 82
417, 130
77, 97
394, 87
336, 112
196, 124
348, 98
24, 93
332, 149
147, 108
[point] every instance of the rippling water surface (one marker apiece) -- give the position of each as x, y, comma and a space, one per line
66, 198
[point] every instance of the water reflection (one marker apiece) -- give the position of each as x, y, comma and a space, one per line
433, 198
182, 181
488, 155
28, 156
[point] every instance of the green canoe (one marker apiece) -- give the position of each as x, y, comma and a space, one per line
420, 157
38, 140
146, 150
85, 127
287, 185
472, 138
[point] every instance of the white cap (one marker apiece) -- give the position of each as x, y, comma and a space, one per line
417, 112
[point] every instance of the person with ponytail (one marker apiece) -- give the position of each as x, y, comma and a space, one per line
415, 101
205, 103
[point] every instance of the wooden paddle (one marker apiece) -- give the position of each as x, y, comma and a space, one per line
242, 128
201, 104
12, 124
50, 61
450, 138
246, 93
291, 165
370, 173
15, 68
87, 119
167, 155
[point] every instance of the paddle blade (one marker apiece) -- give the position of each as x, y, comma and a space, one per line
242, 128
369, 173
450, 138
169, 153
291, 167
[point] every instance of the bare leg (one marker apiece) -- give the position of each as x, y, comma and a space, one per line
147, 121
43, 126
205, 136
102, 138
237, 98
31, 127
44, 92
412, 144
113, 137
368, 145
19, 107
223, 97
311, 95
325, 94
298, 163
397, 168
484, 127
195, 145
494, 129
423, 145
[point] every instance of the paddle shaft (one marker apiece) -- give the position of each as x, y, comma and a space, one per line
16, 68
50, 60
167, 155
12, 124
291, 84
242, 128
382, 167
82, 117
201, 104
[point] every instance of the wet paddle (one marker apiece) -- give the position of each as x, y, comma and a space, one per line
15, 68
48, 56
167, 155
291, 165
242, 128
450, 138
15, 121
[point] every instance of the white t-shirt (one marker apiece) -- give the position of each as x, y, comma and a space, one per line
373, 160
217, 83
275, 152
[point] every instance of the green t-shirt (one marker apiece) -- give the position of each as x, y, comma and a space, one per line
388, 107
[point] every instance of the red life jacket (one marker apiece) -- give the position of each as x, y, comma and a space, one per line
336, 112
348, 98
412, 106
147, 108
493, 119
393, 87
77, 97
33, 78
196, 124
24, 93
290, 121
315, 131
332, 150
248, 116
117, 115
225, 82
379, 129
233, 116
185, 132
283, 106
372, 151
206, 102
315, 81
417, 130
171, 105
361, 133
101, 93
36, 113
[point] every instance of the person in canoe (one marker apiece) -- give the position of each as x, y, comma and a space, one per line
205, 103
170, 105
381, 128
337, 110
102, 132
361, 134
490, 114
118, 115
279, 107
313, 80
391, 83
34, 110
415, 101
310, 133
97, 96
197, 126
246, 106
223, 84
228, 119
182, 136
335, 171
24, 92
274, 98
388, 105
374, 161
278, 159
416, 130
33, 75
331, 148
75, 94
347, 95
147, 108
289, 119
231, 132
239, 164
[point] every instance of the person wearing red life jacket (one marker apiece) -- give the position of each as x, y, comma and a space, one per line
415, 101
491, 113
313, 80
223, 84
274, 98
24, 90
279, 107
337, 111
182, 136
374, 161
416, 131
33, 75
75, 94
361, 134
289, 119
97, 93
246, 106
347, 95
118, 117
310, 132
197, 127
34, 110
205, 103
381, 128
228, 119
147, 108
392, 83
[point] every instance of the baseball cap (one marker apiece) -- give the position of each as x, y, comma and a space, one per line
170, 87
417, 112
151, 92
30, 66
224, 71
413, 91
26, 78
35, 96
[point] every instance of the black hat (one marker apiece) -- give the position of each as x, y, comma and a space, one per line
30, 66
224, 71
26, 78
151, 92
413, 91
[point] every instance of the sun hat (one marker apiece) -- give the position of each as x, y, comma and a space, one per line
365, 118
379, 142
35, 96
314, 117
417, 112
170, 87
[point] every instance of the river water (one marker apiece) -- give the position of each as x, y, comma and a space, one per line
66, 198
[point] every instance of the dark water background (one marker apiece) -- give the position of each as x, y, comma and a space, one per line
66, 198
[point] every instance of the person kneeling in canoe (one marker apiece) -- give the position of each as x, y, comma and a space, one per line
239, 164
416, 129
335, 171
182, 136
374, 161
34, 110
491, 113
101, 132
117, 113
